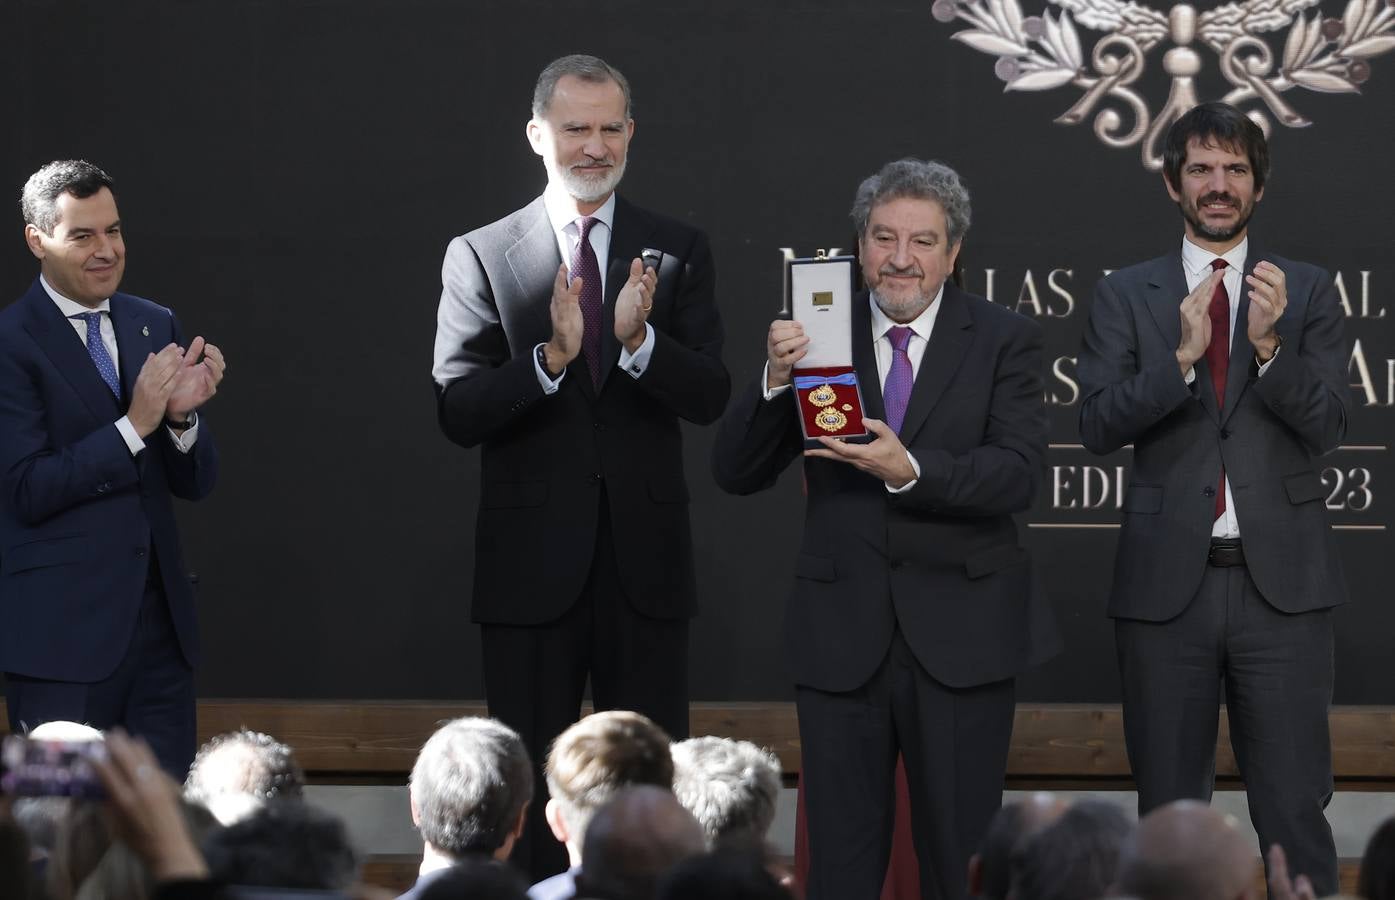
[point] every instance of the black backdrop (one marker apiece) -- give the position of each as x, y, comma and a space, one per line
290, 172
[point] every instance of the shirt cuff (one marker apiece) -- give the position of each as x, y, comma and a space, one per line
910, 484
549, 384
128, 434
771, 393
1190, 376
184, 441
1265, 365
635, 363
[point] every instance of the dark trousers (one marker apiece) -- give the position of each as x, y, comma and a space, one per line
535, 677
1276, 671
954, 742
151, 693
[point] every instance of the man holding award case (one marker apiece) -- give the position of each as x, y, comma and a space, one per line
913, 606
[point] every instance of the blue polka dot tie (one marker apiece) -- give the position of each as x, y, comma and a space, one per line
98, 351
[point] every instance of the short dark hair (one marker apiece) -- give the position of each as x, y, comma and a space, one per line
244, 763
1220, 125
285, 844
1008, 827
1377, 878
633, 840
591, 69
1075, 856
731, 873
918, 179
470, 784
600, 754
39, 200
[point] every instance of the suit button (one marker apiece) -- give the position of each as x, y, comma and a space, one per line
599, 426
898, 563
1225, 434
1208, 491
140, 553
597, 478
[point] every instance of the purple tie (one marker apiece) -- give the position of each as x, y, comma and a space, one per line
897, 390
1218, 356
98, 351
584, 264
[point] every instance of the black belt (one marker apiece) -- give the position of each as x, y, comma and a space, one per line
1226, 552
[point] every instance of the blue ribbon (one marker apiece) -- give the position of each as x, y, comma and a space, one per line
812, 381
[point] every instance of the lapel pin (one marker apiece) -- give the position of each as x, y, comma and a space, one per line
145, 330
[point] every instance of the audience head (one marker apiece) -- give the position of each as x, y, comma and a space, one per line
1377, 878
1073, 858
731, 873
594, 758
477, 879
730, 787
235, 774
470, 788
285, 844
633, 840
1187, 851
122, 874
990, 869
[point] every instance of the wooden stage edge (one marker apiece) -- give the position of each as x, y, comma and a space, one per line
1053, 745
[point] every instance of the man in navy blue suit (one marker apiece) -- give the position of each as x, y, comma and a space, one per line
98, 430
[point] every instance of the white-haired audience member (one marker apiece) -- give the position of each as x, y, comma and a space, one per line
470, 791
730, 787
587, 764
235, 774
1187, 851
632, 841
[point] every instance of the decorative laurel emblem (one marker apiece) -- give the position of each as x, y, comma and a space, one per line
830, 419
823, 395
1041, 53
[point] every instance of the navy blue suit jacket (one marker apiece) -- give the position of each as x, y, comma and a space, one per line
79, 515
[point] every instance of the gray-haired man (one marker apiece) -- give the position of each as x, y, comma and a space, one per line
913, 606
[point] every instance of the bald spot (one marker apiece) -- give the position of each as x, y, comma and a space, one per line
1188, 851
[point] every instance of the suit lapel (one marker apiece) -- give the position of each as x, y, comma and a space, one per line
865, 358
1167, 287
133, 342
630, 228
1241, 352
60, 343
948, 344
533, 258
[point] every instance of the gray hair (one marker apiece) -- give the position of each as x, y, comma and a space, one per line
591, 69
234, 774
920, 180
729, 786
470, 784
39, 200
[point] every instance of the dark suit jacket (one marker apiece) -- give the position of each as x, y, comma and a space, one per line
942, 559
79, 515
545, 457
1268, 435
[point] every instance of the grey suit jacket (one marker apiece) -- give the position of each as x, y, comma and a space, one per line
1268, 435
547, 460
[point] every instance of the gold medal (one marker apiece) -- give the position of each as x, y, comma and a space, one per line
830, 419
823, 395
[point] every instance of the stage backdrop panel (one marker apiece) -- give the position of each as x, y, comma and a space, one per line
291, 171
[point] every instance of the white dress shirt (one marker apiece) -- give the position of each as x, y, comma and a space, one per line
69, 308
1196, 264
566, 225
920, 326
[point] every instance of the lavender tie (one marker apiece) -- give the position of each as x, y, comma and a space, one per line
584, 263
897, 390
98, 351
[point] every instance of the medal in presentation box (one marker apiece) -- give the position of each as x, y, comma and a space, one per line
819, 295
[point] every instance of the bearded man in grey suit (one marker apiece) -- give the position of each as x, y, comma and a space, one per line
572, 337
1222, 364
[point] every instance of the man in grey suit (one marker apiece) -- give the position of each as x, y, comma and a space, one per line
573, 335
1222, 364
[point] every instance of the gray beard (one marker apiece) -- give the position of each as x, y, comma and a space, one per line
592, 190
904, 311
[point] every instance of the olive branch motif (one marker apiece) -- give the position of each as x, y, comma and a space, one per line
1045, 52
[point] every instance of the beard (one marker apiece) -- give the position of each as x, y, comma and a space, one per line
1192, 213
908, 305
591, 188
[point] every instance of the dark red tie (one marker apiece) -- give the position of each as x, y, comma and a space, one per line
584, 264
1218, 357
